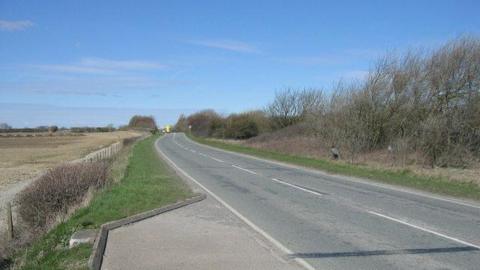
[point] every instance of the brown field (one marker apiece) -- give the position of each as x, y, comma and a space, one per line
23, 158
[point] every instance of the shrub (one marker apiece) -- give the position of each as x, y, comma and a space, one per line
58, 190
142, 122
182, 124
241, 126
131, 140
293, 106
52, 129
206, 123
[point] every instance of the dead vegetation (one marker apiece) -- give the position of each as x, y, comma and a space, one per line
311, 146
57, 190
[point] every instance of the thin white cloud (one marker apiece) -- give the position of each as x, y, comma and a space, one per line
72, 69
230, 45
101, 66
12, 26
72, 84
120, 64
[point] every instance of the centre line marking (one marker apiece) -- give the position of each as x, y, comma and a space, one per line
425, 230
297, 187
243, 169
216, 159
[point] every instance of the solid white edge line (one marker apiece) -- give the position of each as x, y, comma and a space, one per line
267, 236
425, 229
297, 187
243, 169
342, 177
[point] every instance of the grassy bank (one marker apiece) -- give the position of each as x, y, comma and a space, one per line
140, 182
402, 178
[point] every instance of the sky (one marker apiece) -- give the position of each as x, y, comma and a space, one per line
78, 63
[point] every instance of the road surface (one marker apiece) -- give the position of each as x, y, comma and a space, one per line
331, 222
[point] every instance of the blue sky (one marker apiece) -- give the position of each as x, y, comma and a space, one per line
75, 63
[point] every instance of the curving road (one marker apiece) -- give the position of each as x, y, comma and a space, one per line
332, 222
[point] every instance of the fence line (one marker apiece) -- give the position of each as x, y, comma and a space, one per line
102, 154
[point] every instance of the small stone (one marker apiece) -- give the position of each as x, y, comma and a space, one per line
82, 237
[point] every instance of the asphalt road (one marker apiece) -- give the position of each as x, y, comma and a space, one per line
332, 222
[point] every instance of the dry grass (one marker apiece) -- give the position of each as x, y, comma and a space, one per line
380, 159
231, 141
24, 158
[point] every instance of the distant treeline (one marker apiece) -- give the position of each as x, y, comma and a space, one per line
208, 123
421, 101
92, 129
55, 129
30, 130
136, 122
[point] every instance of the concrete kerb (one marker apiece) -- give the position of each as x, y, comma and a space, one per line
96, 258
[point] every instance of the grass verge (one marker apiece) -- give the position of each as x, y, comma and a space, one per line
141, 182
405, 178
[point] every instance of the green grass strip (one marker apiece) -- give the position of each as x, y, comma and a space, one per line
405, 178
147, 183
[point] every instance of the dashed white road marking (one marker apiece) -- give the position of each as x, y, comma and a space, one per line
297, 187
343, 178
425, 229
267, 236
243, 169
193, 151
216, 159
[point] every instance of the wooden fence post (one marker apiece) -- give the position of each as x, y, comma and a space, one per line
9, 221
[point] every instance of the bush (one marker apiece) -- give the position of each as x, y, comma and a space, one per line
245, 125
205, 123
182, 124
142, 122
58, 190
52, 129
131, 140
